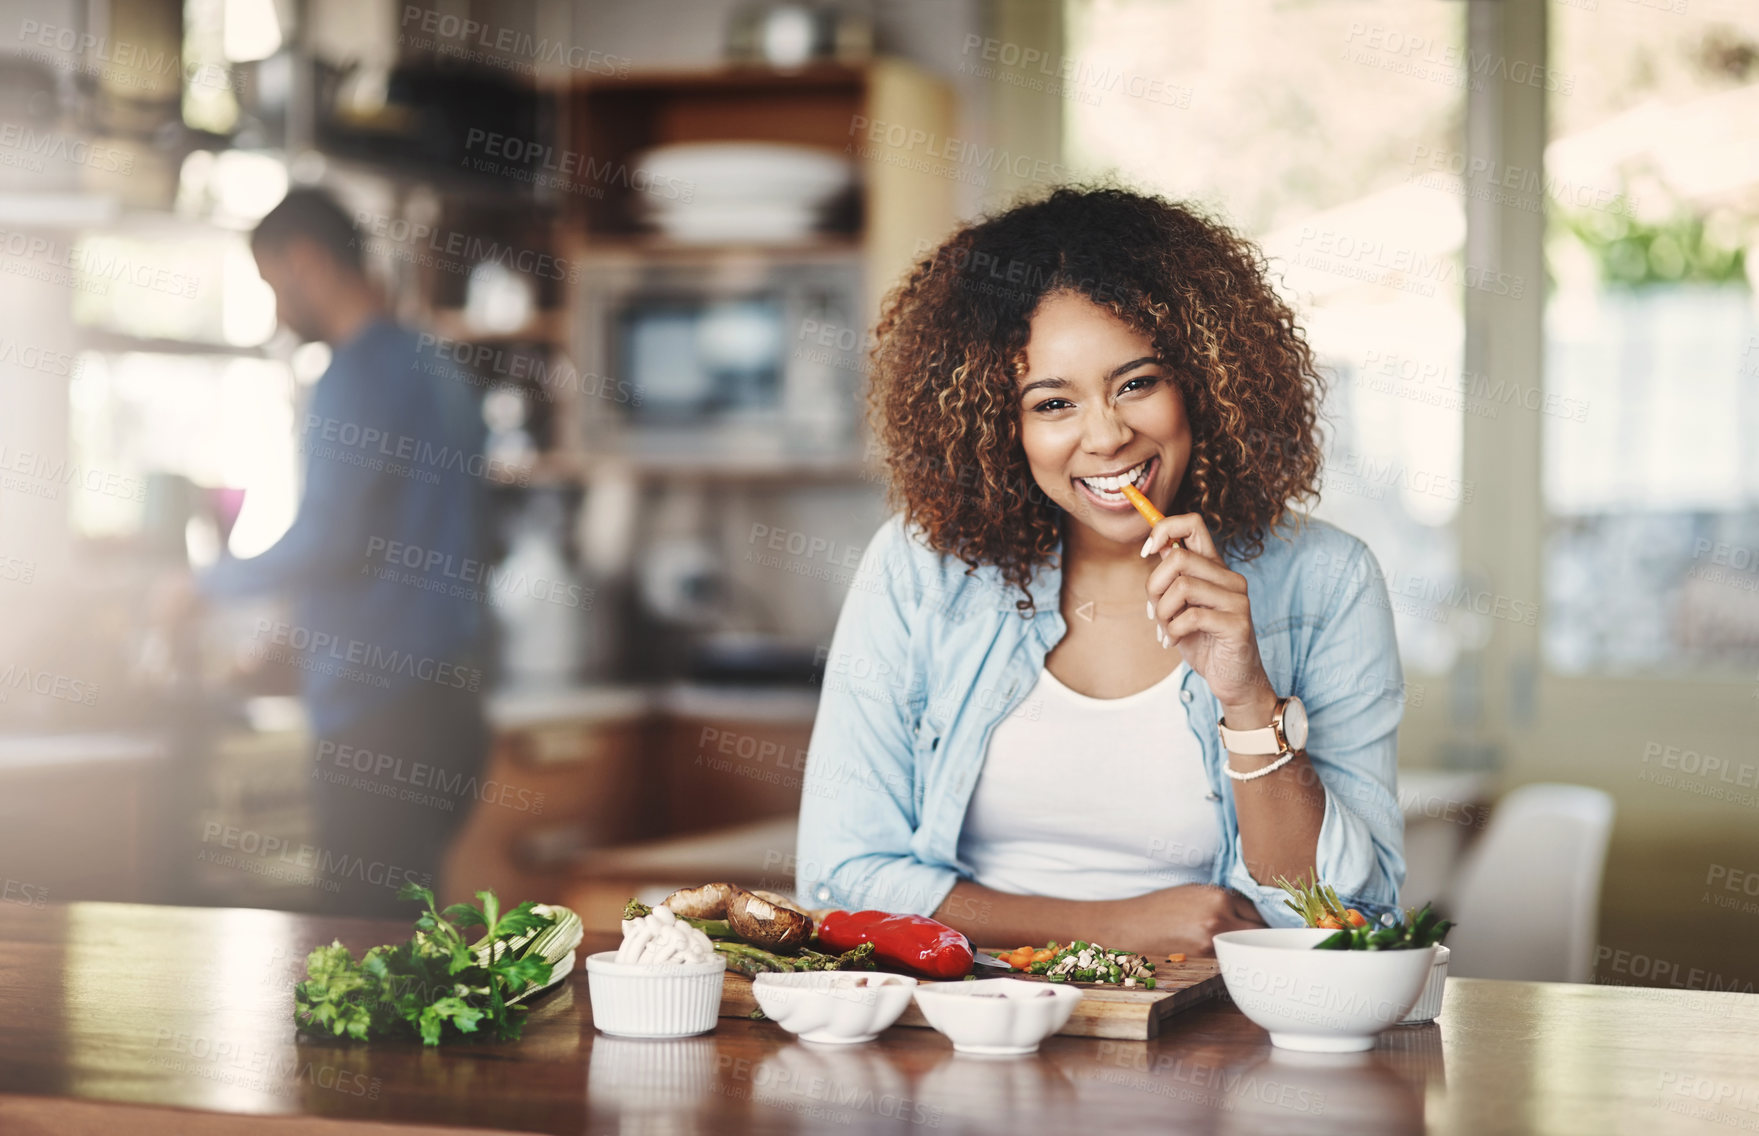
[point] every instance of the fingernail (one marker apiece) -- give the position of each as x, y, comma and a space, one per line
1147, 544
1149, 604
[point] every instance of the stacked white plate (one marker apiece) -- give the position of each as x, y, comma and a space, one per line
763, 192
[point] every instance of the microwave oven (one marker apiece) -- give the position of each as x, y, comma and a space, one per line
721, 342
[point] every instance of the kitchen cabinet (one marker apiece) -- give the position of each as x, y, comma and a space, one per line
732, 756
567, 772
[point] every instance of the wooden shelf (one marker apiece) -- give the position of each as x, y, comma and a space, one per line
729, 77
615, 121
557, 469
622, 247
549, 326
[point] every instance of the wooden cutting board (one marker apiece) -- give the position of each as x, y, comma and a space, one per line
1110, 1011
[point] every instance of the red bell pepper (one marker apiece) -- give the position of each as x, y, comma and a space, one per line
914, 942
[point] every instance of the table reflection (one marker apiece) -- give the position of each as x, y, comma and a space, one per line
1365, 1092
844, 1085
1001, 1092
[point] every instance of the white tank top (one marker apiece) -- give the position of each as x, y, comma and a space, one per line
1092, 798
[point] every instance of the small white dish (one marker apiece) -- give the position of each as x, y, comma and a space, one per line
1428, 1006
997, 1017
833, 1007
654, 999
1319, 1001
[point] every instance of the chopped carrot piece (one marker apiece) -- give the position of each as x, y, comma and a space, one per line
1042, 955
1176, 958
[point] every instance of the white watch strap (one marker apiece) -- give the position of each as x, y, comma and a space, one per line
1249, 743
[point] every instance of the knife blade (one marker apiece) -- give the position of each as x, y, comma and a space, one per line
982, 959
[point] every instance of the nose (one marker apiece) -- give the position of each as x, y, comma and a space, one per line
1103, 430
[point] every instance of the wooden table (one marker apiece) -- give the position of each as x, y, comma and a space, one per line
106, 1008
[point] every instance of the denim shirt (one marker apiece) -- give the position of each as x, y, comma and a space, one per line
927, 659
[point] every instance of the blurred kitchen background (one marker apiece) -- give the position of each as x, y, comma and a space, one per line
1520, 236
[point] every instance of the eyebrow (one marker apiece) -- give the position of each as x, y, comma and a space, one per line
1065, 384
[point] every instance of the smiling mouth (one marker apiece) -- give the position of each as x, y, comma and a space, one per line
1110, 490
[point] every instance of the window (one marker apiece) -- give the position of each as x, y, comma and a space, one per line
1651, 341
1333, 135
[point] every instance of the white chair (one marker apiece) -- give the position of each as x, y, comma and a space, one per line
1527, 897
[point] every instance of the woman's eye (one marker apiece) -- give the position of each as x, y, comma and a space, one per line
1050, 404
1141, 383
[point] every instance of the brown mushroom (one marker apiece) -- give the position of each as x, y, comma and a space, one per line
706, 902
768, 920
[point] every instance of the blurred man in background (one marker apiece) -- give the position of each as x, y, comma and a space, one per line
385, 626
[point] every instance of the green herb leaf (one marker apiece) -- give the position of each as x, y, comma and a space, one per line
491, 910
463, 915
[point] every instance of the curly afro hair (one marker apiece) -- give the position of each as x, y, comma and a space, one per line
951, 340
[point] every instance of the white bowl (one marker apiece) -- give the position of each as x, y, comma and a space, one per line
746, 172
838, 1007
757, 223
654, 999
997, 1016
1428, 1006
1319, 1001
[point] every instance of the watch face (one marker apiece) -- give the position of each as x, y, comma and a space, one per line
1295, 723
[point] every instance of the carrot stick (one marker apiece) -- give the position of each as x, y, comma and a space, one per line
1149, 513
1144, 506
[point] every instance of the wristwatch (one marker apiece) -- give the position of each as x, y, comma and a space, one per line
1286, 733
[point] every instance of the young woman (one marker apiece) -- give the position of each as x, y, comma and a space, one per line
1043, 719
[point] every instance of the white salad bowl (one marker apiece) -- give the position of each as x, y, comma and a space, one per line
837, 1007
654, 999
997, 1016
1319, 1001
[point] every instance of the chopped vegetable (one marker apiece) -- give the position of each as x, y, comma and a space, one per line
1082, 961
436, 979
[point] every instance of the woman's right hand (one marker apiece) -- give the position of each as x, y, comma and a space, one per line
1180, 920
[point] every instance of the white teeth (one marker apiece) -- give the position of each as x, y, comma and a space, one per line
1114, 485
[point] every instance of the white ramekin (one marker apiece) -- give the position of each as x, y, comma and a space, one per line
828, 1006
654, 1000
997, 1017
1428, 1006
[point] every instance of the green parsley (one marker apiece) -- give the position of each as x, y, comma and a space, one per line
437, 979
